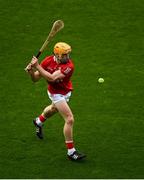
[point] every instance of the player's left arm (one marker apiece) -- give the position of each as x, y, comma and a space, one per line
57, 75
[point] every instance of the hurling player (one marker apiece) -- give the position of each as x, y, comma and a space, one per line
57, 70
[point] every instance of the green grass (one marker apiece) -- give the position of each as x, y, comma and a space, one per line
107, 38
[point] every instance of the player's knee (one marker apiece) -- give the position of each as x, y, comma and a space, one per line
70, 119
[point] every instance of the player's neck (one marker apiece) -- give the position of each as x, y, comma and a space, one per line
55, 59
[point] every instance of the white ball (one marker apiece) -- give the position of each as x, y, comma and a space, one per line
100, 80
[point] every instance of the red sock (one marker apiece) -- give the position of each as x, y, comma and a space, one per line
69, 144
42, 118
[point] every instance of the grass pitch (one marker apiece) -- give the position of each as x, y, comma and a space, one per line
107, 38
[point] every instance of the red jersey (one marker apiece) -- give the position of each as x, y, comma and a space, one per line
64, 86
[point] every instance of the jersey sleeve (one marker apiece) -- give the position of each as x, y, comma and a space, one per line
67, 70
45, 63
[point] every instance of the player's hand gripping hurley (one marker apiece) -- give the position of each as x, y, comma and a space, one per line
57, 26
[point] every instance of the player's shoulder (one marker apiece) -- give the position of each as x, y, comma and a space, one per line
68, 68
47, 60
70, 63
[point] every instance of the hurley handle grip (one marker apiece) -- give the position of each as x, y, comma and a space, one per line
38, 54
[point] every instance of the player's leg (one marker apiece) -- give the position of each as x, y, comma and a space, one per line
67, 114
38, 122
47, 113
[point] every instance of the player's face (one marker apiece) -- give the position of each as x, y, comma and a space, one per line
62, 58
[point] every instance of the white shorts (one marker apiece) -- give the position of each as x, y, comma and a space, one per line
59, 97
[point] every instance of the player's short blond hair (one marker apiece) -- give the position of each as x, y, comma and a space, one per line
62, 48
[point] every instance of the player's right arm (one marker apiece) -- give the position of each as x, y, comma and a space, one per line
35, 75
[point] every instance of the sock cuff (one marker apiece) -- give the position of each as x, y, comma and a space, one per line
69, 144
42, 118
